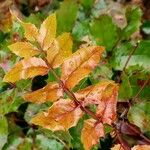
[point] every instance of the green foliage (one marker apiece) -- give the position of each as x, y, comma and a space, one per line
104, 30
66, 16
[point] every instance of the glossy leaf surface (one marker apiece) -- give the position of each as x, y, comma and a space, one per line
80, 64
91, 133
51, 92
26, 68
62, 115
24, 49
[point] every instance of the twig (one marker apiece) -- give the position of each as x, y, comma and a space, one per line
130, 55
145, 83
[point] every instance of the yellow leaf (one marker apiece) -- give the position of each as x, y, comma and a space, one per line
80, 64
48, 31
62, 115
31, 32
24, 49
65, 49
26, 68
51, 92
91, 132
52, 52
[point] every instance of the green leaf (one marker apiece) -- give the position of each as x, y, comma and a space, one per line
125, 90
45, 143
3, 131
66, 16
141, 57
146, 27
133, 15
87, 3
139, 114
104, 32
80, 30
9, 101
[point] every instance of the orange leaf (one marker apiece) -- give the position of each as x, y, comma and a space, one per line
93, 94
48, 31
80, 64
62, 115
106, 109
26, 68
91, 133
51, 92
31, 32
117, 147
24, 49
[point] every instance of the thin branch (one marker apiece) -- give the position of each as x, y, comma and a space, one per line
130, 55
139, 92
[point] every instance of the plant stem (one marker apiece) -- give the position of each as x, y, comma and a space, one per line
130, 55
145, 83
71, 95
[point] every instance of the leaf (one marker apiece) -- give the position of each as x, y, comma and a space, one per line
3, 131
100, 30
125, 90
48, 31
93, 94
141, 56
137, 147
117, 147
24, 49
65, 48
31, 32
45, 143
60, 49
91, 133
66, 15
51, 92
26, 68
141, 147
139, 115
62, 115
106, 109
133, 15
80, 64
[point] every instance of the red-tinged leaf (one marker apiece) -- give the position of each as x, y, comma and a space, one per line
24, 49
62, 115
26, 68
141, 147
91, 132
51, 92
93, 94
106, 109
80, 64
48, 31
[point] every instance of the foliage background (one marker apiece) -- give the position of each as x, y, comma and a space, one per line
123, 27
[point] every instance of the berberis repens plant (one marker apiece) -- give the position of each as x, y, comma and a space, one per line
42, 52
